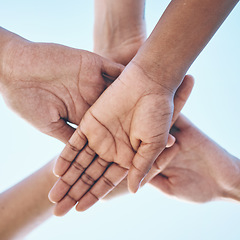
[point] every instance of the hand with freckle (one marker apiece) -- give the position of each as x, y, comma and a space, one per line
121, 134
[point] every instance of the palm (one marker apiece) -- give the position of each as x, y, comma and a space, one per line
199, 170
126, 119
56, 84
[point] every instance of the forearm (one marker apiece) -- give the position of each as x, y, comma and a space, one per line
6, 40
119, 24
180, 35
25, 206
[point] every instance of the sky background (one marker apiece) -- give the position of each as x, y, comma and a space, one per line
213, 107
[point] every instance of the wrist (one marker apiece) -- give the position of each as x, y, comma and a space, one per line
166, 75
119, 29
11, 49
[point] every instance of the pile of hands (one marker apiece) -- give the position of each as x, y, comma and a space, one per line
130, 130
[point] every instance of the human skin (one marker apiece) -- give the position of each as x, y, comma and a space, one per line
119, 29
199, 170
66, 198
141, 98
50, 85
194, 169
25, 206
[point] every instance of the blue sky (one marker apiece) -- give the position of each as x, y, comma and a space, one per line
213, 107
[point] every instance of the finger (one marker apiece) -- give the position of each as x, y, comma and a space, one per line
61, 130
110, 69
63, 185
182, 123
161, 163
106, 183
88, 178
171, 140
181, 96
120, 190
64, 206
162, 183
69, 153
142, 162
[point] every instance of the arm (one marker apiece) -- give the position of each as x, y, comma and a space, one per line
199, 170
182, 32
136, 121
25, 206
119, 29
49, 84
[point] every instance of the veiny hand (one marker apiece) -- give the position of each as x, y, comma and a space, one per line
199, 170
50, 85
110, 140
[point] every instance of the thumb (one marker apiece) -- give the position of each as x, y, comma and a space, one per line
111, 70
142, 162
181, 96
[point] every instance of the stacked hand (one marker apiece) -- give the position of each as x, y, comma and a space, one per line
198, 169
131, 125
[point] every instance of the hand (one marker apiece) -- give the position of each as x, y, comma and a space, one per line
114, 154
119, 29
199, 169
50, 85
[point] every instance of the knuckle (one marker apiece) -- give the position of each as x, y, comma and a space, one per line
94, 195
64, 159
80, 134
89, 151
72, 197
78, 166
65, 181
87, 179
108, 182
140, 169
71, 147
102, 162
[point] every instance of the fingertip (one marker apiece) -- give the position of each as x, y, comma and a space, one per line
50, 197
133, 186
58, 191
80, 208
171, 141
60, 167
64, 206
57, 212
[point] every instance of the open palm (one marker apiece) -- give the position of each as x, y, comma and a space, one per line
105, 159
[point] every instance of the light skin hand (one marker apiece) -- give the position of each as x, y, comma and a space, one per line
50, 85
103, 181
119, 29
125, 121
199, 170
